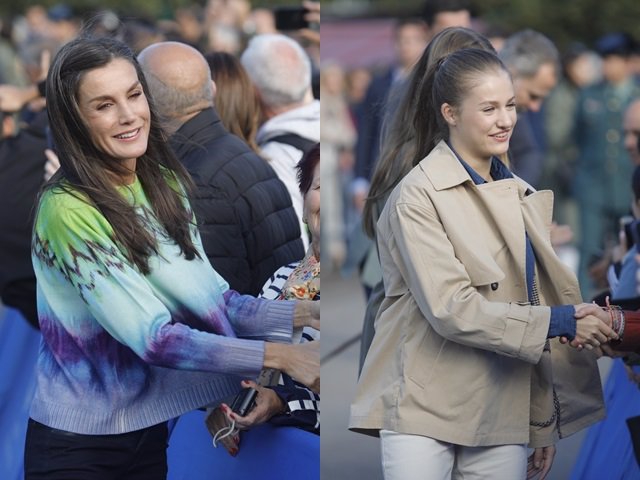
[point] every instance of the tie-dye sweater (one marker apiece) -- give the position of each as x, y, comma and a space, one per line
121, 350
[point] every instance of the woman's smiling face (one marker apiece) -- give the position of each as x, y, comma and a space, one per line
114, 108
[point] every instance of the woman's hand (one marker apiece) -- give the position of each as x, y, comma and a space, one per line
307, 314
593, 327
585, 309
13, 98
268, 404
52, 165
301, 362
540, 461
304, 364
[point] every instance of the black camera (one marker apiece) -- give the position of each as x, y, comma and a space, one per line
290, 18
244, 401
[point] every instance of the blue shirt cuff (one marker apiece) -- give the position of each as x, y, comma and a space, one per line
563, 322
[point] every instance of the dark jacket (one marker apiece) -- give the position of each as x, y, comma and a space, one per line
248, 226
21, 175
370, 125
525, 153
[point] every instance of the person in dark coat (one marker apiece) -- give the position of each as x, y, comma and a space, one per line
410, 39
534, 63
21, 175
248, 226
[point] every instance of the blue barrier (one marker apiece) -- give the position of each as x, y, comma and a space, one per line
607, 451
19, 345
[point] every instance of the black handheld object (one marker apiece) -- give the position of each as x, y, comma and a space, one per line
635, 232
244, 401
290, 18
50, 144
625, 225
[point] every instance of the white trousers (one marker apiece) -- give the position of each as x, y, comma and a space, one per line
414, 457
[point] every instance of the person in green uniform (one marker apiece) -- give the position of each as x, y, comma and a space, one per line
603, 164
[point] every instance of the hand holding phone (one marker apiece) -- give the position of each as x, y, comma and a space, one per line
291, 18
244, 401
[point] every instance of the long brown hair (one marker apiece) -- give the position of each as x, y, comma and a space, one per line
454, 76
236, 99
87, 170
413, 131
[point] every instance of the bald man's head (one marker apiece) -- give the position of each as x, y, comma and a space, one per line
179, 80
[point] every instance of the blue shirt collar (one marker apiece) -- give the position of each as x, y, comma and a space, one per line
498, 170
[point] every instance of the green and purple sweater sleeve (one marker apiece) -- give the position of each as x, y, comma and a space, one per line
181, 315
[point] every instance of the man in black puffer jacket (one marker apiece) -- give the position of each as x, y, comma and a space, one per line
21, 175
248, 226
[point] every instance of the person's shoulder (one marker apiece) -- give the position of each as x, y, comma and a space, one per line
65, 209
239, 168
439, 170
237, 150
221, 152
412, 189
253, 168
594, 90
280, 153
63, 198
172, 179
440, 164
272, 288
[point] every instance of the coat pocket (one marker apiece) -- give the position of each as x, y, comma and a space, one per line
422, 357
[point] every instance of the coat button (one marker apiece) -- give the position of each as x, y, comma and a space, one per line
494, 286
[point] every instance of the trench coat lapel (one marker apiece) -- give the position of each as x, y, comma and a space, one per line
537, 211
501, 199
502, 203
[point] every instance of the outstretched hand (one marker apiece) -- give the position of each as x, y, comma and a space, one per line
268, 404
584, 309
304, 364
307, 314
593, 327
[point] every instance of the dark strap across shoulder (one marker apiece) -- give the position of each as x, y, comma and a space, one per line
301, 143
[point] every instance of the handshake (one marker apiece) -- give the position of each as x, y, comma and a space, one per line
596, 326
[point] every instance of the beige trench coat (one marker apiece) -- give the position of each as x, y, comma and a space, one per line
458, 350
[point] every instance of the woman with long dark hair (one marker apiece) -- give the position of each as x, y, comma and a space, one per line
137, 327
